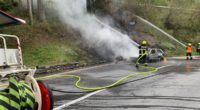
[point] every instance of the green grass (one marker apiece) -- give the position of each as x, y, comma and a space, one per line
56, 52
49, 43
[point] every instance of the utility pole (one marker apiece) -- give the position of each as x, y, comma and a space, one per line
29, 4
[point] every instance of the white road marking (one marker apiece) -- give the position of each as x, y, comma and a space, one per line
78, 100
89, 95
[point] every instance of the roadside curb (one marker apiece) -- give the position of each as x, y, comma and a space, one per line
65, 67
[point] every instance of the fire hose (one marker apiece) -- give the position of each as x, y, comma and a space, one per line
117, 82
78, 78
79, 86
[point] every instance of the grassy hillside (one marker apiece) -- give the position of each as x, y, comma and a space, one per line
179, 18
49, 42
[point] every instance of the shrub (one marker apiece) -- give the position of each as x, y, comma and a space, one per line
7, 4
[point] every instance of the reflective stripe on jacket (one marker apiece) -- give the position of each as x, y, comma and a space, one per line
18, 96
143, 50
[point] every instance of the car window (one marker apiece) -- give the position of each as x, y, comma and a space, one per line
159, 51
153, 51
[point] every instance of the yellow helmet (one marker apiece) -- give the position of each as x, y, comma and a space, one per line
144, 42
189, 44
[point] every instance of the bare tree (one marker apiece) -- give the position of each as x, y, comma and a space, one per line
41, 10
20, 4
29, 4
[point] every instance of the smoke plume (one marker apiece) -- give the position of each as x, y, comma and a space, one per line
99, 36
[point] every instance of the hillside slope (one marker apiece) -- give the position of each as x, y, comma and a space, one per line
49, 43
179, 18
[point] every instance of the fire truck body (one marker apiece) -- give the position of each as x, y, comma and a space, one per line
11, 67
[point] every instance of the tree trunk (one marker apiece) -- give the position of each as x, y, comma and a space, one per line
41, 10
29, 4
90, 6
20, 5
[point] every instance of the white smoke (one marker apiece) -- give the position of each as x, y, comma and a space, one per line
103, 39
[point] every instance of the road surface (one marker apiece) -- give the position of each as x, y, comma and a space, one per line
176, 86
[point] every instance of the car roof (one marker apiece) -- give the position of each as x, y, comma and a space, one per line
155, 49
7, 20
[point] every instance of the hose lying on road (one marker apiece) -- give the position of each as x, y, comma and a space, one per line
78, 82
78, 78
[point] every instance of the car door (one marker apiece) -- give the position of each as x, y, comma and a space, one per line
152, 54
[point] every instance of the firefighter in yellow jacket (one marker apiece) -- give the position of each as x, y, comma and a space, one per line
143, 52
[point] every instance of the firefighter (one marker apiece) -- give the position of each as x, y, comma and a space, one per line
18, 96
143, 52
198, 48
189, 51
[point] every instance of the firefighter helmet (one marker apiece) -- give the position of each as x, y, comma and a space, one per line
189, 44
144, 42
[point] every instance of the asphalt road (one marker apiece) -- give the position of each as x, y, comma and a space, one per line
176, 86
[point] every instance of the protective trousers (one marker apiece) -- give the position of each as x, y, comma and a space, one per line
142, 55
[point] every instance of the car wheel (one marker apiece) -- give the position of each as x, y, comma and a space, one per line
160, 58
